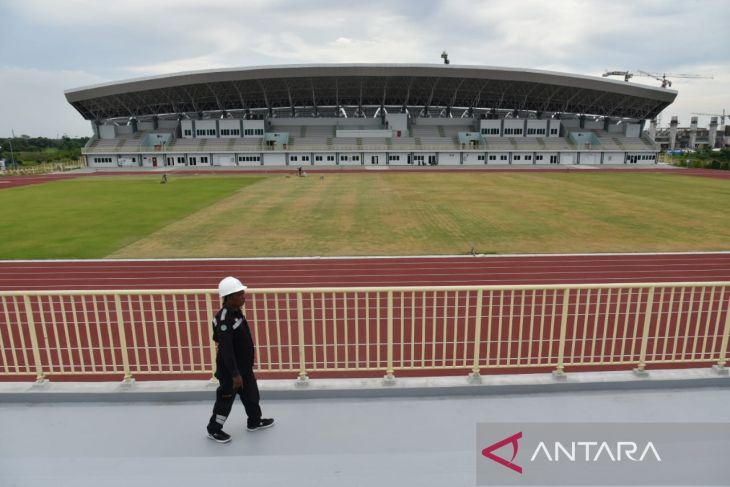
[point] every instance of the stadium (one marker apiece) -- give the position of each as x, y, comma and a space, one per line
355, 115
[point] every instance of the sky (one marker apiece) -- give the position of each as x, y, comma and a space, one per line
48, 46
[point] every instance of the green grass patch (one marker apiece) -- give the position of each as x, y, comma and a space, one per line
450, 213
92, 217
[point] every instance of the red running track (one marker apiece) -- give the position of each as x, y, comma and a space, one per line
406, 271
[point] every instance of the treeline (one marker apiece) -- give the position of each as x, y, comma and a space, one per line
35, 150
704, 159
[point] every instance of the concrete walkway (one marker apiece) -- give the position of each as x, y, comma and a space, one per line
386, 441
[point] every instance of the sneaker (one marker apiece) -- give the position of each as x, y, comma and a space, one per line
263, 423
219, 436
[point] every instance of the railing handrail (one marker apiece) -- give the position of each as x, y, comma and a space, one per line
289, 290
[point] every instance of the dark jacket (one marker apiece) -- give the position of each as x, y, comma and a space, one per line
235, 346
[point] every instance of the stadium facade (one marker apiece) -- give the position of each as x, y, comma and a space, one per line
354, 115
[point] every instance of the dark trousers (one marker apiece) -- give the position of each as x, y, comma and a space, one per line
225, 396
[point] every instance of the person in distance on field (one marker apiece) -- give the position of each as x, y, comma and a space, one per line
234, 363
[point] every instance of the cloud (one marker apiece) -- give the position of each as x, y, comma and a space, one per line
134, 38
32, 102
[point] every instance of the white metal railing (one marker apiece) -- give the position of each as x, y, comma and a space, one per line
377, 329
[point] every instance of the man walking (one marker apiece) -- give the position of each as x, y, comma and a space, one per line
234, 363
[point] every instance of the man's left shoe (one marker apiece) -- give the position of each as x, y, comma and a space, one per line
262, 424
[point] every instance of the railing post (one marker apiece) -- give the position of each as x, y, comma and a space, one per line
722, 360
34, 340
645, 335
211, 315
303, 379
474, 376
123, 341
558, 372
389, 372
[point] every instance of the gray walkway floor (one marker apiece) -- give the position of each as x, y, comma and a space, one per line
316, 442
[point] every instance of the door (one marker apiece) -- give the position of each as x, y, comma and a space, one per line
373, 159
154, 162
432, 160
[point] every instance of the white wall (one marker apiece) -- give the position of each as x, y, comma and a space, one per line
613, 157
149, 125
128, 160
396, 122
224, 160
491, 124
167, 124
324, 161
382, 159
205, 125
633, 130
274, 159
153, 160
540, 125
525, 158
513, 124
364, 134
400, 159
568, 158
187, 125
449, 158
593, 125
229, 125
472, 158
349, 161
253, 125
107, 131
590, 157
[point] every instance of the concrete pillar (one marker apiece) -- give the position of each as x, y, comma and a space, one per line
582, 120
606, 123
673, 132
134, 125
692, 132
652, 129
712, 135
155, 122
95, 127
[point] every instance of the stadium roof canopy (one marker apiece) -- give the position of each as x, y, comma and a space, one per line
413, 85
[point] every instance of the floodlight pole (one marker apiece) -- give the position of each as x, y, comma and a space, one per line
12, 156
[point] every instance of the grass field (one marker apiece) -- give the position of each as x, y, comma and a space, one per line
92, 217
366, 214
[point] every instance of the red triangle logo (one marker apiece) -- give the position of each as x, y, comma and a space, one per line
487, 452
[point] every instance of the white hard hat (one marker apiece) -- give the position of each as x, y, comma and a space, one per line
230, 285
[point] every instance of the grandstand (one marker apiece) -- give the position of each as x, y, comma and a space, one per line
369, 114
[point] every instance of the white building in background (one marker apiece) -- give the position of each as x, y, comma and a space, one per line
356, 115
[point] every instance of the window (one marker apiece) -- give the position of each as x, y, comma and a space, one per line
394, 158
480, 158
553, 131
343, 158
330, 158
305, 158
515, 158
293, 158
181, 160
188, 132
355, 158
259, 131
528, 158
236, 132
538, 157
200, 132
503, 157
492, 158
204, 160
317, 158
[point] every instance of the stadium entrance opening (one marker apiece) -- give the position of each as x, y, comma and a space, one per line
374, 160
432, 160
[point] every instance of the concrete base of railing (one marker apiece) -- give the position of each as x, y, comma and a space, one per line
721, 370
195, 390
